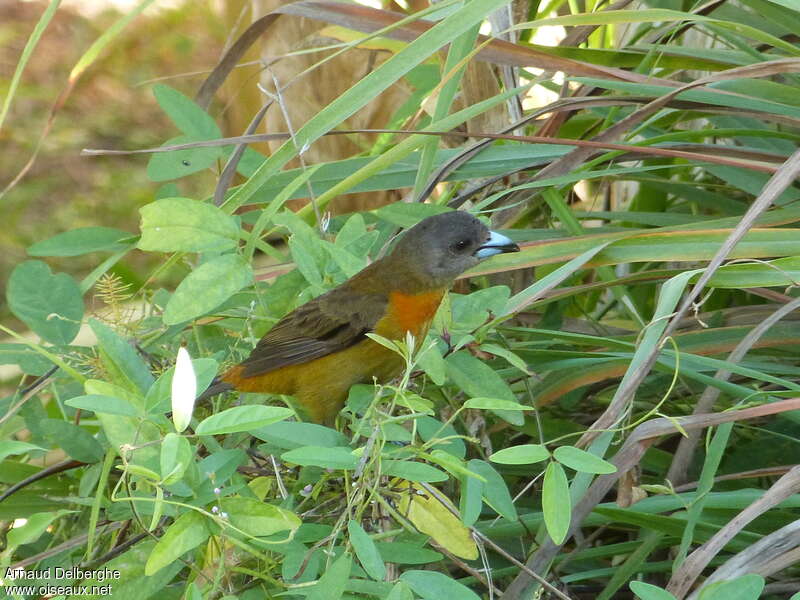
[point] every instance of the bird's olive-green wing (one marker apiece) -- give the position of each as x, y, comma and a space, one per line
327, 324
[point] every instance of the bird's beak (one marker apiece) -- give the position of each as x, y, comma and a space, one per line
496, 244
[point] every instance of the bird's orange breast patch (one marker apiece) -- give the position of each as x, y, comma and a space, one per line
409, 313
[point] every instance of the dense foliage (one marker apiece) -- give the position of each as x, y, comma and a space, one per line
608, 413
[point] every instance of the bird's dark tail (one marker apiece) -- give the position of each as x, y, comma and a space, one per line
217, 387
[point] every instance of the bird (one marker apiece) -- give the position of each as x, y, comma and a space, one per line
319, 350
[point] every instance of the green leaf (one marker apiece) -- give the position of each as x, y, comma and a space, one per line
51, 305
412, 470
746, 587
75, 440
333, 582
428, 427
327, 458
175, 164
470, 501
121, 358
25, 357
403, 553
185, 225
556, 504
495, 492
479, 380
495, 404
430, 585
242, 418
185, 113
582, 461
523, 454
105, 404
259, 518
290, 435
366, 551
176, 455
32, 530
187, 532
647, 591
81, 241
14, 447
208, 286
400, 591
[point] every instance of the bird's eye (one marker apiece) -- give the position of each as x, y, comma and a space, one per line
461, 245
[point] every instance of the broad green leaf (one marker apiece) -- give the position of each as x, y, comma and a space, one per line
208, 286
523, 454
430, 585
431, 517
556, 504
185, 225
403, 553
186, 533
185, 113
582, 461
175, 164
478, 379
242, 418
333, 582
647, 591
746, 587
31, 531
121, 359
74, 440
81, 241
259, 518
101, 403
366, 551
291, 434
400, 591
14, 447
495, 492
176, 455
51, 305
28, 360
470, 501
319, 456
412, 470
430, 428
495, 404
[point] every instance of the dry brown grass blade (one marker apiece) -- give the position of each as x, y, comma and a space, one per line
573, 159
229, 172
752, 159
626, 459
781, 180
683, 579
369, 20
686, 447
771, 554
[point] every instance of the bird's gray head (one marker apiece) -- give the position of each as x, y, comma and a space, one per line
438, 249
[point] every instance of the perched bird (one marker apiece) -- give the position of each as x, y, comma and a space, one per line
320, 349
